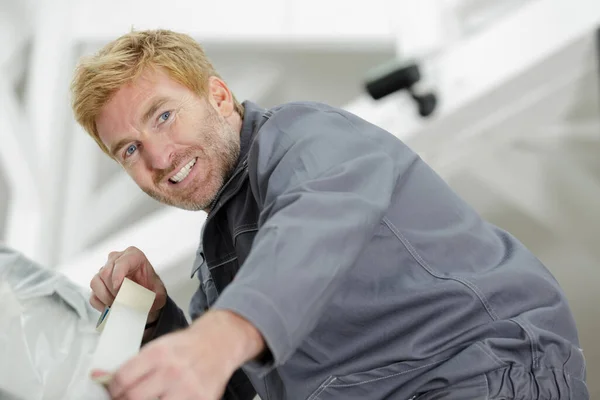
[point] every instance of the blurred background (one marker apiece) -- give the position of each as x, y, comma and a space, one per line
505, 106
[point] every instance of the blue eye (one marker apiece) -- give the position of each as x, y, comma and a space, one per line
130, 150
164, 116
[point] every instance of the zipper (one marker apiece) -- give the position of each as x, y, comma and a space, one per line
216, 204
213, 209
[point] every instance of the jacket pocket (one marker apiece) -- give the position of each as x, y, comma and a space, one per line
464, 370
206, 294
208, 285
473, 389
378, 383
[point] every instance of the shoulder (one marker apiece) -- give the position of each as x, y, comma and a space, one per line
300, 108
293, 115
314, 136
308, 123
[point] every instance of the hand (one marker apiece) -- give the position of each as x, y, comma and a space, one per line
133, 264
195, 363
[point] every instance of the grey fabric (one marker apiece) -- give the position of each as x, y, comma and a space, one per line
171, 319
368, 277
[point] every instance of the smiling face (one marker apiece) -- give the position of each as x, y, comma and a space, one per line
178, 147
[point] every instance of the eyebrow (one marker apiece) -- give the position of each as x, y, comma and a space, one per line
154, 106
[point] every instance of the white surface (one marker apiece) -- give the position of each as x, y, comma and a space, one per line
47, 333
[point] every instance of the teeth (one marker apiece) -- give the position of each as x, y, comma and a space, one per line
183, 172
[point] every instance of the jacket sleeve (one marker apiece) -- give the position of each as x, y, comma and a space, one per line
323, 186
171, 319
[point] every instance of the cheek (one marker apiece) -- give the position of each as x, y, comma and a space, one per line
206, 162
183, 128
139, 175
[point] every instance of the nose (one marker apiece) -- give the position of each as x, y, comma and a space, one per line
158, 153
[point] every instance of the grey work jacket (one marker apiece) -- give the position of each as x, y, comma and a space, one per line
367, 276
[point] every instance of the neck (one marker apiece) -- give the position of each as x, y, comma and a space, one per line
235, 121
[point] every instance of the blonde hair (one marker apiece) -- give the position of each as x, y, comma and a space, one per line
97, 78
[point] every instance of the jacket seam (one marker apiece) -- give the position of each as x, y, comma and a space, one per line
487, 387
244, 226
221, 258
243, 229
491, 355
235, 237
210, 268
417, 257
532, 341
320, 389
583, 365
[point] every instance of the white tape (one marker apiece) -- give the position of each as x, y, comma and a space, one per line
122, 328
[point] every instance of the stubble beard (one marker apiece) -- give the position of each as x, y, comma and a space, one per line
220, 154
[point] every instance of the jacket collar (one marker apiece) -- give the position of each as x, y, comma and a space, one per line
253, 119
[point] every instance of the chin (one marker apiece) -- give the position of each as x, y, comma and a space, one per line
190, 203
189, 207
186, 203
197, 197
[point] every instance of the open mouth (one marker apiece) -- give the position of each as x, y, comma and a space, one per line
183, 172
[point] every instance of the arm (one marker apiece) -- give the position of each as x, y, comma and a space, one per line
323, 188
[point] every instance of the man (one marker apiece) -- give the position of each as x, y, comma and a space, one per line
334, 263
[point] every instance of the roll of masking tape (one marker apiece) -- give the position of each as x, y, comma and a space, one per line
121, 329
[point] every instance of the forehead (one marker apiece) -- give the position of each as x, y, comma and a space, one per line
150, 81
149, 85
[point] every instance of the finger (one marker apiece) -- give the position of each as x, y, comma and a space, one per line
122, 268
102, 377
113, 255
188, 388
125, 265
153, 385
96, 303
105, 274
131, 372
101, 291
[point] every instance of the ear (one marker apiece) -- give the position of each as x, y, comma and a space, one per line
220, 96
